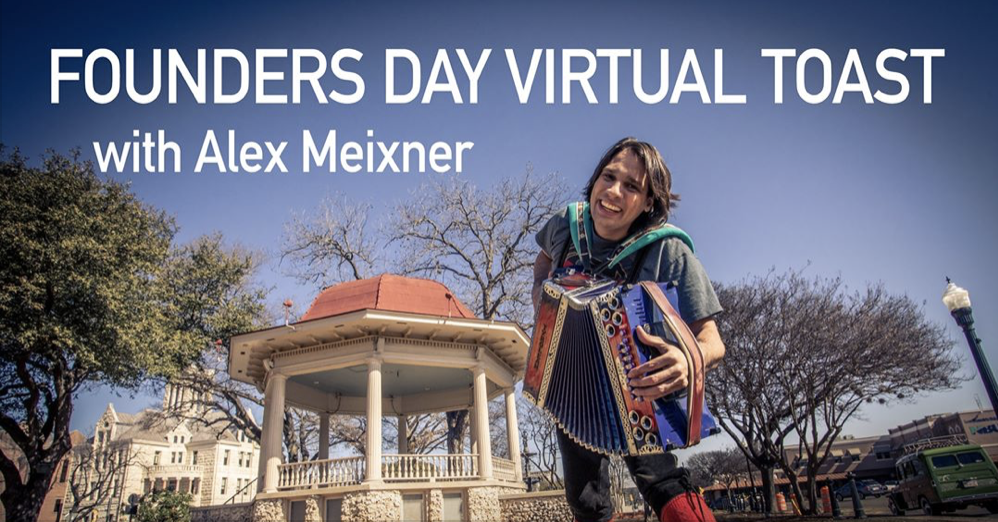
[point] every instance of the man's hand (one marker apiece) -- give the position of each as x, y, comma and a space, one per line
670, 371
662, 375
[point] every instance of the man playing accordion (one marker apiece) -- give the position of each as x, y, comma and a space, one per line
629, 192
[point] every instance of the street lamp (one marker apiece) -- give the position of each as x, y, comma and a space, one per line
957, 300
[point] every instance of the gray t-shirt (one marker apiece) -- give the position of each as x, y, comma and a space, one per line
669, 260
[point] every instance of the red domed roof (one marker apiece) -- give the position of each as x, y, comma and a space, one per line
390, 293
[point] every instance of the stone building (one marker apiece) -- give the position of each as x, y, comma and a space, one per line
150, 451
388, 345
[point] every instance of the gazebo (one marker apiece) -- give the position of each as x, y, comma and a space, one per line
388, 345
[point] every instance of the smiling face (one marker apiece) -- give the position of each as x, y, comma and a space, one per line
619, 195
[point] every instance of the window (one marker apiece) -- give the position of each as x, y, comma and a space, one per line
453, 507
225, 482
155, 458
412, 507
970, 458
58, 505
944, 461
171, 485
334, 510
194, 457
240, 459
883, 455
195, 486
225, 458
298, 511
180, 457
146, 486
174, 439
182, 437
114, 488
64, 471
173, 457
100, 437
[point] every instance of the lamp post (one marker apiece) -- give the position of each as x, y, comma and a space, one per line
957, 300
526, 454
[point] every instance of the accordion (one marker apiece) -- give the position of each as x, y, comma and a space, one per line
582, 348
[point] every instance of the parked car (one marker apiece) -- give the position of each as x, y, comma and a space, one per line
890, 484
865, 488
945, 479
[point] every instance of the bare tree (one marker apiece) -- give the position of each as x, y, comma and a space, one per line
723, 466
750, 407
803, 357
618, 474
97, 478
497, 427
540, 436
882, 349
332, 244
480, 244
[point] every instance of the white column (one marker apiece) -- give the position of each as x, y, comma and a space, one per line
513, 433
323, 436
273, 432
482, 425
373, 420
472, 431
403, 446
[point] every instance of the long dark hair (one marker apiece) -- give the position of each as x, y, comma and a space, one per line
659, 180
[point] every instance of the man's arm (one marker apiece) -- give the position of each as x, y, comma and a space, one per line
542, 271
710, 342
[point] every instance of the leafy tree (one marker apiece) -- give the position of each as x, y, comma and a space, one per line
80, 303
164, 506
212, 287
93, 292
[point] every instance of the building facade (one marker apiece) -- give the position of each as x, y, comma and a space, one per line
166, 449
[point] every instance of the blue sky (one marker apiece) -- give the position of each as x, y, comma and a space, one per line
900, 194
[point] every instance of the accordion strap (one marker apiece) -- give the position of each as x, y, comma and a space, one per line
580, 226
694, 358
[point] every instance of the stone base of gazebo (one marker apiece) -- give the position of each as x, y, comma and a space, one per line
360, 504
485, 504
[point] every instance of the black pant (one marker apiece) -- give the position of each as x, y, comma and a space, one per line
587, 480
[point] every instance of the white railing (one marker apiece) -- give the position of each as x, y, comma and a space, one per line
394, 468
429, 468
504, 469
331, 472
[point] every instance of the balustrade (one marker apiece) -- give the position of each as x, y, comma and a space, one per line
417, 468
394, 468
331, 472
